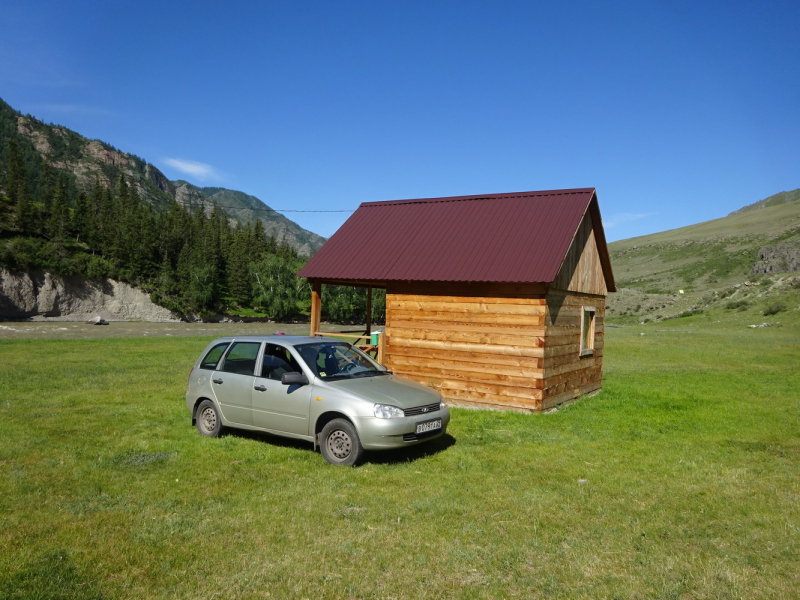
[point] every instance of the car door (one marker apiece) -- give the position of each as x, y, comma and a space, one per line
232, 382
276, 406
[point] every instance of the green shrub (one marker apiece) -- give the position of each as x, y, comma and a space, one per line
98, 268
774, 308
737, 304
689, 313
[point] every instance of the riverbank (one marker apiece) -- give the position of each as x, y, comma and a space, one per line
72, 330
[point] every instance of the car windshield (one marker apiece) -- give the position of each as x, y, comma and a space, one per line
329, 360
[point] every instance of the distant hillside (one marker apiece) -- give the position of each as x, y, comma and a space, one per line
243, 207
743, 261
774, 200
49, 148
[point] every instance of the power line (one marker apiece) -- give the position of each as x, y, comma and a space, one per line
305, 211
282, 210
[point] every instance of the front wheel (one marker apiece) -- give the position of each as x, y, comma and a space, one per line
340, 443
208, 419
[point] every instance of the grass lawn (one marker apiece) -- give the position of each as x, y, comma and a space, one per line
681, 479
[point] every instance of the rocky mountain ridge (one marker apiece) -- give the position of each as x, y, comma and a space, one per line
87, 161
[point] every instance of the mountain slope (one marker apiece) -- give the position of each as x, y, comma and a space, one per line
243, 207
46, 147
715, 263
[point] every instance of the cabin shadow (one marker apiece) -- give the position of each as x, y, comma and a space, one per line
554, 304
375, 457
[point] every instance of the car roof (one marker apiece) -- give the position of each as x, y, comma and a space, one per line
284, 340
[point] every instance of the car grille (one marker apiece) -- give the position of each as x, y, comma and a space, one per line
421, 410
415, 437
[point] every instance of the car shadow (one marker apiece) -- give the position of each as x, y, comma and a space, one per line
371, 457
409, 454
262, 436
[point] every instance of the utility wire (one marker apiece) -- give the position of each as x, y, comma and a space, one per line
282, 210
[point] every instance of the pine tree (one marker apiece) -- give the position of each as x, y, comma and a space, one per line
59, 219
260, 247
26, 213
238, 276
17, 189
81, 218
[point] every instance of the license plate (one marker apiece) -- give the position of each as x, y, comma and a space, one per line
429, 426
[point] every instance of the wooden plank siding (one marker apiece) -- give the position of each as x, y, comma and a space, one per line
530, 362
580, 283
483, 351
568, 375
582, 270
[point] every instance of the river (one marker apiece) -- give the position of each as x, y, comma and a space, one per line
71, 330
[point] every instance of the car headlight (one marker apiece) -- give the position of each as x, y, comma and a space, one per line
442, 405
385, 411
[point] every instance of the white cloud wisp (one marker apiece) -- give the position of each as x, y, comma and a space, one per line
200, 171
620, 218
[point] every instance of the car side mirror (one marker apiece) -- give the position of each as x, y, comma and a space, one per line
294, 379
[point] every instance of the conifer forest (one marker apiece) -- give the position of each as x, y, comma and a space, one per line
192, 260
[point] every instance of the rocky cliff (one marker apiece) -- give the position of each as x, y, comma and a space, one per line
42, 294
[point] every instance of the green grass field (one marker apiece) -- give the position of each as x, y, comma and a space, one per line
681, 479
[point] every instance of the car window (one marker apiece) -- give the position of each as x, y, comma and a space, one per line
338, 359
277, 361
241, 358
212, 358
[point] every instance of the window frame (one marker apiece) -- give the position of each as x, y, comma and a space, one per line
587, 337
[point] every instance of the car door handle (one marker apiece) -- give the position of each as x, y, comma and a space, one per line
217, 381
260, 388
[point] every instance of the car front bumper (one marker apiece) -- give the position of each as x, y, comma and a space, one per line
384, 434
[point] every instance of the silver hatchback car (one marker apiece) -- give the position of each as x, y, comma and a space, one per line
317, 389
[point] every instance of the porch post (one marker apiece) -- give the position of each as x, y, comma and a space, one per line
316, 306
369, 310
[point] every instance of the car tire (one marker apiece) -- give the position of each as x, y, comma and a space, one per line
340, 444
208, 420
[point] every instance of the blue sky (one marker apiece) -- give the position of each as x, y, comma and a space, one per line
677, 112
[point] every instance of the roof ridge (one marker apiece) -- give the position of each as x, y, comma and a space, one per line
498, 196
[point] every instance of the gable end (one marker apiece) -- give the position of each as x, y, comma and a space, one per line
582, 269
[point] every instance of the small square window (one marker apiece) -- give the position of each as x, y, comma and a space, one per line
587, 331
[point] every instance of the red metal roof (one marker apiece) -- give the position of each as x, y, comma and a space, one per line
520, 237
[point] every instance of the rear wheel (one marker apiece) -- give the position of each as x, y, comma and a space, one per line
208, 419
340, 443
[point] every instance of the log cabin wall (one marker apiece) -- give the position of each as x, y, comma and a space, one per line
567, 374
580, 284
478, 345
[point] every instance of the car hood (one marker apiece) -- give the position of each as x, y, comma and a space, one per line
389, 389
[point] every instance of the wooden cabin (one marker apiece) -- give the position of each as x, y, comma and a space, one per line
496, 301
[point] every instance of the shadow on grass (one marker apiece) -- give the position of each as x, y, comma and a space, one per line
371, 457
410, 454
